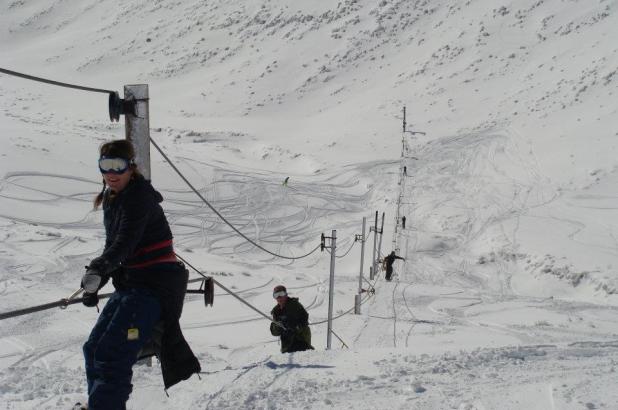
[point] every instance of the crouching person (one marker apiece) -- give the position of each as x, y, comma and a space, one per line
295, 334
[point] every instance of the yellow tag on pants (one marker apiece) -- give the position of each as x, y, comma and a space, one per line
133, 334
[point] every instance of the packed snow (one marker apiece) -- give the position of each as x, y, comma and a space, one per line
508, 296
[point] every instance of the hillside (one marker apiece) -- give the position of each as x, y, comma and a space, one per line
508, 297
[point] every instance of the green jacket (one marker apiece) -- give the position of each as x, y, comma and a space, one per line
296, 336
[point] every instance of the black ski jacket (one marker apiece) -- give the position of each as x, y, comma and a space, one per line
296, 336
138, 247
390, 259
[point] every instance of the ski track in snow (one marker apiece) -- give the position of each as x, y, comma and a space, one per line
195, 226
397, 318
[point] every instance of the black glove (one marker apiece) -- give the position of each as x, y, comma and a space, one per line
284, 328
292, 329
90, 299
100, 265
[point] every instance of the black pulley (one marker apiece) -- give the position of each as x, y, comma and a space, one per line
209, 291
115, 106
118, 106
207, 288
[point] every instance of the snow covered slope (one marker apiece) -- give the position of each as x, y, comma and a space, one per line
508, 298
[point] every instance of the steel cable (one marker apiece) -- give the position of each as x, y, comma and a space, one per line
221, 216
52, 82
230, 292
341, 256
347, 311
348, 251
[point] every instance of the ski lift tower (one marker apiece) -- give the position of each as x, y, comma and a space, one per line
404, 150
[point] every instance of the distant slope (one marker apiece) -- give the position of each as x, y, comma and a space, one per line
547, 66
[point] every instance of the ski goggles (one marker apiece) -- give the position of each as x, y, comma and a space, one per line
279, 294
114, 165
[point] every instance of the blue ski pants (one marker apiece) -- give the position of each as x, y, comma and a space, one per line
123, 327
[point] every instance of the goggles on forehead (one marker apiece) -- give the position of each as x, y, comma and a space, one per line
279, 294
114, 165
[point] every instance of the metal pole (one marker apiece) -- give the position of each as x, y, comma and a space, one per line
137, 126
331, 287
397, 220
403, 138
357, 299
381, 232
373, 258
360, 279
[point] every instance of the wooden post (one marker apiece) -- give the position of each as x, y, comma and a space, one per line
137, 125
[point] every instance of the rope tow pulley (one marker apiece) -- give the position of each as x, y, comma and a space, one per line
115, 107
209, 296
118, 106
207, 288
209, 291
